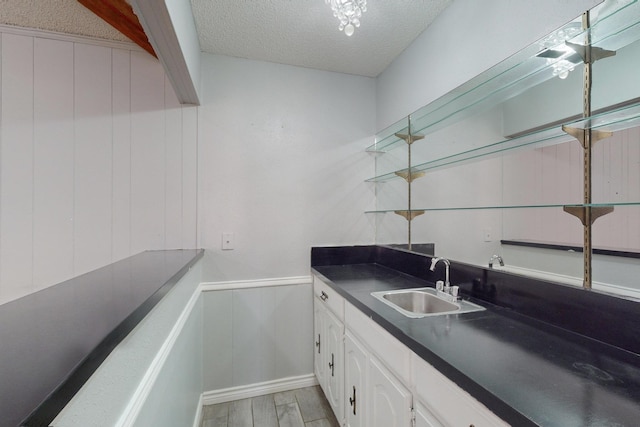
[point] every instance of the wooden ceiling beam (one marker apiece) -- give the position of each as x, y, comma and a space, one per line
119, 14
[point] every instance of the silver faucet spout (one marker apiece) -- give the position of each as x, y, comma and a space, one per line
496, 258
447, 265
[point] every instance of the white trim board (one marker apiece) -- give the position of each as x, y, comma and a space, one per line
259, 389
73, 38
131, 412
260, 283
197, 419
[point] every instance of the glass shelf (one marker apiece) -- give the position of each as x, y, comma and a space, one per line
473, 208
524, 70
614, 120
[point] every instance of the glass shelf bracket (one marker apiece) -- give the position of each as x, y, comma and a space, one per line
409, 175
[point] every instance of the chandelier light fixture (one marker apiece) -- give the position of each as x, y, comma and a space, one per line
348, 13
560, 56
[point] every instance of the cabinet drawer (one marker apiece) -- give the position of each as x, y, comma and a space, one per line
394, 354
448, 402
329, 297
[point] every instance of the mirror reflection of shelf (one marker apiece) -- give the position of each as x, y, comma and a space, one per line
615, 120
532, 206
611, 30
526, 152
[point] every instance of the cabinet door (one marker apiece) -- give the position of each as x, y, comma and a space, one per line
389, 402
355, 366
319, 314
424, 418
334, 363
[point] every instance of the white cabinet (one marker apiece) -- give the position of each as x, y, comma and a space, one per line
374, 397
329, 345
389, 401
355, 386
373, 380
319, 341
334, 374
445, 401
424, 418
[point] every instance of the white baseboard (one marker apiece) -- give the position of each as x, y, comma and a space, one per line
197, 419
259, 389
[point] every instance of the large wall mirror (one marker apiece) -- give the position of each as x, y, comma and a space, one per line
488, 170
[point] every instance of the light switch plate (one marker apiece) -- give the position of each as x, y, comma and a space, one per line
228, 241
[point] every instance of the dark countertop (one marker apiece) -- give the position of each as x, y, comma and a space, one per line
51, 341
528, 372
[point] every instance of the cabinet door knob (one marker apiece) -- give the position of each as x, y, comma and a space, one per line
352, 400
324, 296
331, 364
318, 344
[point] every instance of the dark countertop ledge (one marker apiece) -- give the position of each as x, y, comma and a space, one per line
51, 341
528, 372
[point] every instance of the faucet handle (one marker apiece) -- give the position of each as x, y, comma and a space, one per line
454, 291
439, 285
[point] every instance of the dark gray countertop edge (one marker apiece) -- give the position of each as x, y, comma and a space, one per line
46, 412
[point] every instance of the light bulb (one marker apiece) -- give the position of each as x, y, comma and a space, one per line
349, 29
563, 74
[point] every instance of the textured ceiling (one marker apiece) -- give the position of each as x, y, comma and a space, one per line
305, 32
63, 16
296, 32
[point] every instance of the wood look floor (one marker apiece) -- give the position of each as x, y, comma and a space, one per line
304, 407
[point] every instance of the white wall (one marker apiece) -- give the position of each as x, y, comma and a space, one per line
97, 159
281, 164
469, 37
257, 335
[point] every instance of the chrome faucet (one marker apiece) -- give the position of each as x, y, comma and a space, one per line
447, 265
496, 258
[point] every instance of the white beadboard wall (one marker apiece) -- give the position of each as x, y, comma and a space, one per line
97, 159
615, 179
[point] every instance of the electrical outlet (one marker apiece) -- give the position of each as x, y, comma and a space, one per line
486, 233
228, 241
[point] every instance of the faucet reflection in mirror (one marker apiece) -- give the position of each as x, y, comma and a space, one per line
496, 258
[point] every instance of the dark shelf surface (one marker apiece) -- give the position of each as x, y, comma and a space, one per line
624, 253
51, 341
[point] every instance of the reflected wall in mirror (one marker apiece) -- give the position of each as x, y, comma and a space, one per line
499, 169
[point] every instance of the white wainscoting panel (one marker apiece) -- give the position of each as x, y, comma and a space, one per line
256, 335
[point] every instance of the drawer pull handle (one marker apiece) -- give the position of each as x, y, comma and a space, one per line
318, 344
331, 364
324, 296
352, 400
